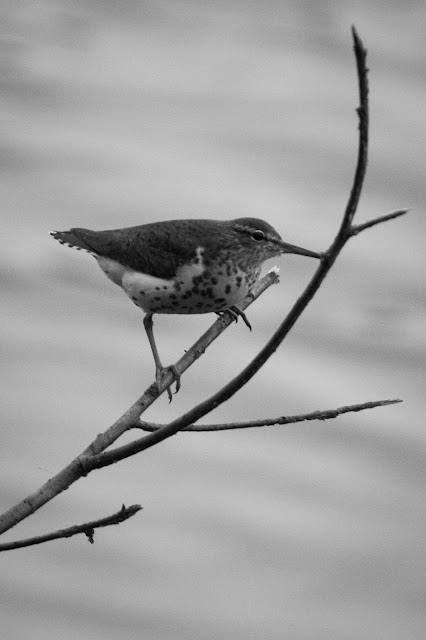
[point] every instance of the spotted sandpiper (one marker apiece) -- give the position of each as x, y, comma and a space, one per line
183, 266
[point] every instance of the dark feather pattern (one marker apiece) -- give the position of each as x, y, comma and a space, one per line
160, 248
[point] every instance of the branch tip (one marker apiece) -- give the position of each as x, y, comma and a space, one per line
372, 223
358, 43
88, 529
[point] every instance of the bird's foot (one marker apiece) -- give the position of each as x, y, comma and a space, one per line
236, 312
161, 372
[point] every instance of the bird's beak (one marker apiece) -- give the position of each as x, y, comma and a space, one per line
291, 248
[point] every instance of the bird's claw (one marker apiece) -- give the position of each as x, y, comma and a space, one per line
159, 376
236, 312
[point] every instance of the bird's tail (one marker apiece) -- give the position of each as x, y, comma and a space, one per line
71, 239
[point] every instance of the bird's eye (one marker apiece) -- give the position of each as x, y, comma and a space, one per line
258, 235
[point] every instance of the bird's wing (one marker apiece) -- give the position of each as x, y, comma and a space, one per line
158, 249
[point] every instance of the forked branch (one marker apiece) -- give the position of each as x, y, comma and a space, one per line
328, 414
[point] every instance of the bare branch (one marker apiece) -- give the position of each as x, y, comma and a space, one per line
78, 468
328, 414
327, 261
88, 528
95, 456
131, 417
344, 234
371, 223
363, 114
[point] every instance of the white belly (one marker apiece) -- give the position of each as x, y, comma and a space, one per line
189, 292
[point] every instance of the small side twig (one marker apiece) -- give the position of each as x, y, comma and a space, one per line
328, 414
371, 223
88, 528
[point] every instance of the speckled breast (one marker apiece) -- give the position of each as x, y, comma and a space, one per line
195, 289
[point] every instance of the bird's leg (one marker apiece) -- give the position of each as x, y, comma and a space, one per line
159, 369
235, 311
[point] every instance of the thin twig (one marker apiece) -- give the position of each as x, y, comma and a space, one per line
364, 116
328, 414
88, 528
371, 223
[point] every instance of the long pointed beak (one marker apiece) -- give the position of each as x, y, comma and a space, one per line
292, 248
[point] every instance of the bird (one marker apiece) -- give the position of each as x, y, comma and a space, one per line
183, 266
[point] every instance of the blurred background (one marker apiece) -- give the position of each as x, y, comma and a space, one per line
117, 114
